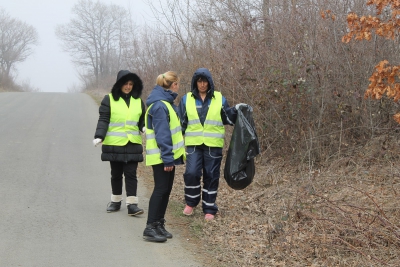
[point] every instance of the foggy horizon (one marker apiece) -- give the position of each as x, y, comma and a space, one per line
48, 68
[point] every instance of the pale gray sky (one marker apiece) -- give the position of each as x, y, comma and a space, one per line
50, 69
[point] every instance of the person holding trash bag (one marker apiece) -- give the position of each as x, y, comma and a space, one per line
204, 112
164, 150
121, 116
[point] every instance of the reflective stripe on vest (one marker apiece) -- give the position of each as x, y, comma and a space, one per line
213, 132
123, 125
153, 153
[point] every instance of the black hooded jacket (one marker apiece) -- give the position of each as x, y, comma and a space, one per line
131, 151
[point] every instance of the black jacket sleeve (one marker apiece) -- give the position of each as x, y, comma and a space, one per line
104, 118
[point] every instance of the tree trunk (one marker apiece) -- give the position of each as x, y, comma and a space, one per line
267, 25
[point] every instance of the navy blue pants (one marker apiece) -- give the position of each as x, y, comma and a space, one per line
129, 171
202, 161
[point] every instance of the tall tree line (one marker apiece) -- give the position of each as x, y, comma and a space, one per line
284, 58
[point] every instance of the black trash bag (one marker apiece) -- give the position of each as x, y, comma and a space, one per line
239, 167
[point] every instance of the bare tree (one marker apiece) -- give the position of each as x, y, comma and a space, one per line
16, 41
287, 61
173, 16
285, 58
94, 38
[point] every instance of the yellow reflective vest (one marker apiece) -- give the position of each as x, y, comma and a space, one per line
153, 153
212, 133
124, 121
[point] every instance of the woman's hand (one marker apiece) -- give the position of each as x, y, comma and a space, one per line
169, 169
97, 141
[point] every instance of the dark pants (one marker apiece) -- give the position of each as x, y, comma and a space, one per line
202, 161
129, 171
159, 199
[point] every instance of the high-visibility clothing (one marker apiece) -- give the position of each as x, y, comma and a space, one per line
153, 153
124, 121
212, 133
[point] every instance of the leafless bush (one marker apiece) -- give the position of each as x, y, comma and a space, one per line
358, 224
26, 86
326, 189
286, 59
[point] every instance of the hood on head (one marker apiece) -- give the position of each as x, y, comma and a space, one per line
122, 77
202, 72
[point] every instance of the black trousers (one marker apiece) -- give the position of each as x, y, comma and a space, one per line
129, 171
163, 182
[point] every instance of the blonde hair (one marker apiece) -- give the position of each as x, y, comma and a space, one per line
167, 79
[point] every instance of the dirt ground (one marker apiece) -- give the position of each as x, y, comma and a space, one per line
343, 214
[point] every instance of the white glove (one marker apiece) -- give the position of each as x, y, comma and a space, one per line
97, 141
239, 105
144, 130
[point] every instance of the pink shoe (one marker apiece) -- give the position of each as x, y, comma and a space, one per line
188, 210
209, 217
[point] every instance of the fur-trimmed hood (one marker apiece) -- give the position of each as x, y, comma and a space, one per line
122, 77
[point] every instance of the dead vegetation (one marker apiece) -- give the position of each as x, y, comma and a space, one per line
327, 182
340, 212
342, 215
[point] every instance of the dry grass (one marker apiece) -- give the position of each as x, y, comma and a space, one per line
344, 215
97, 95
3, 89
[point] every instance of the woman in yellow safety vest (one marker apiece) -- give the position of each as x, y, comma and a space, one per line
120, 123
164, 150
204, 112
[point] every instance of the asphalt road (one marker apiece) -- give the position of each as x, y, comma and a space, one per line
54, 190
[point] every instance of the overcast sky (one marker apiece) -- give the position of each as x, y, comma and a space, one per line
49, 68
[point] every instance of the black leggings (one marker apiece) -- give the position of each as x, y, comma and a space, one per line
129, 171
158, 203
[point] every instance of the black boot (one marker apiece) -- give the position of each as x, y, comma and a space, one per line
152, 234
113, 206
133, 210
161, 229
